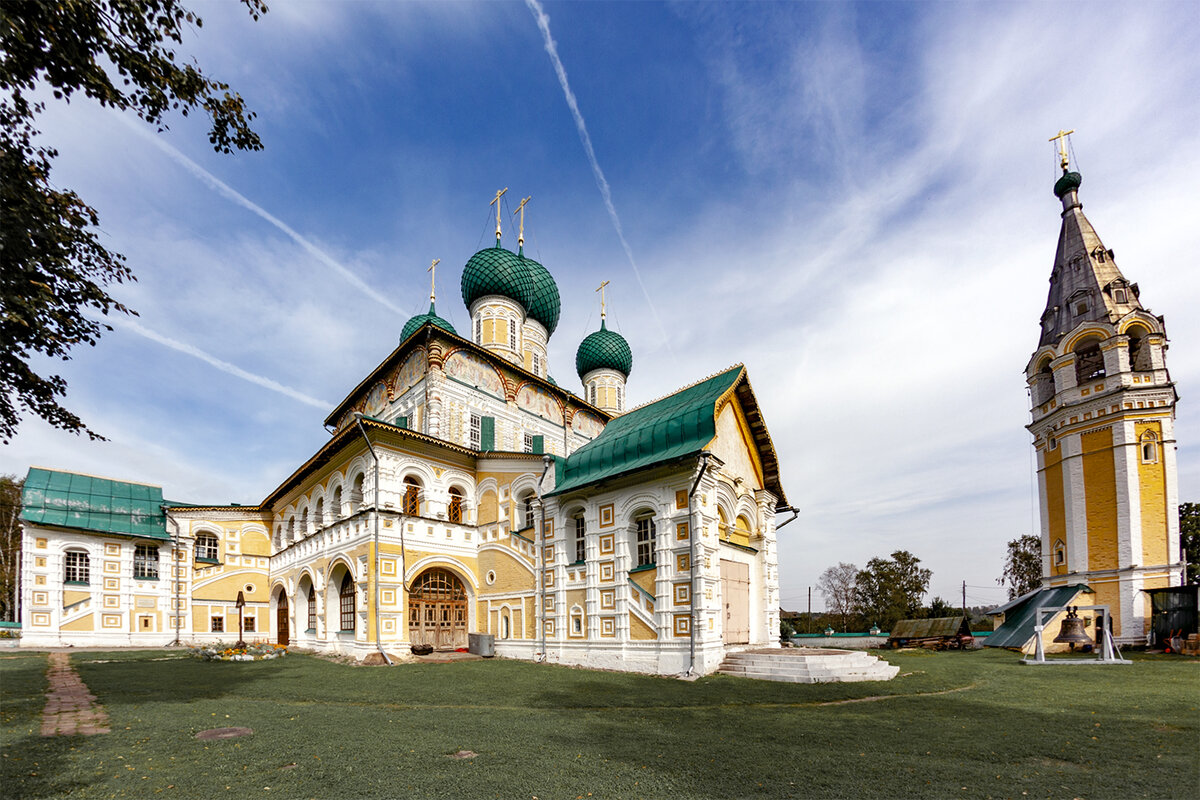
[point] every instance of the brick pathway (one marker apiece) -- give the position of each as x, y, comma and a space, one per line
71, 709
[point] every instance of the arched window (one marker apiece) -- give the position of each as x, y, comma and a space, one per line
1089, 361
356, 494
319, 514
312, 608
346, 604
1060, 553
646, 536
335, 508
145, 561
722, 524
505, 625
76, 567
1139, 351
1149, 445
1043, 384
741, 529
527, 507
576, 628
580, 539
456, 505
412, 497
206, 547
303, 525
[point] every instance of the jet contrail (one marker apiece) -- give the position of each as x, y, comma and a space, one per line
224, 366
232, 194
543, 23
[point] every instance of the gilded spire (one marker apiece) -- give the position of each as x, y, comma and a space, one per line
433, 279
521, 229
496, 202
603, 307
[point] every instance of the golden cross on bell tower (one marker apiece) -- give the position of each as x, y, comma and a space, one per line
521, 230
1061, 137
603, 310
496, 202
433, 278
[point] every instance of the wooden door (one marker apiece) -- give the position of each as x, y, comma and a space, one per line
437, 610
735, 592
281, 619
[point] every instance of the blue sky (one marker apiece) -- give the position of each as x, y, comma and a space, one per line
851, 199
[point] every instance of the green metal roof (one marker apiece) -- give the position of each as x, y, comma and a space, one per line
544, 302
676, 426
1020, 618
929, 628
603, 349
414, 324
495, 270
70, 500
1068, 181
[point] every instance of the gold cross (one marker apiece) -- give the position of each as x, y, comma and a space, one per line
521, 211
600, 289
496, 202
1061, 136
432, 277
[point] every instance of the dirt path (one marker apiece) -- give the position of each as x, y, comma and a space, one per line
71, 709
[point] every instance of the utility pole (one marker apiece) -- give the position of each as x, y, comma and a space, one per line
965, 599
809, 620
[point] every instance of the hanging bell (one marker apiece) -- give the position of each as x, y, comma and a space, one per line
1072, 631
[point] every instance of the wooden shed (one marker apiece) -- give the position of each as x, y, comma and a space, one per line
938, 633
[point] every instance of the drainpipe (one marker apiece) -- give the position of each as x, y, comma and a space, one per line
375, 577
541, 554
175, 578
795, 513
693, 532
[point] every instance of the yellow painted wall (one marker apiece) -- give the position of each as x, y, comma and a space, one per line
1100, 491
85, 623
489, 508
646, 579
255, 543
1056, 511
72, 596
530, 617
640, 631
511, 576
1152, 482
1106, 594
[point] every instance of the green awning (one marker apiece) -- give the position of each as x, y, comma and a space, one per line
70, 500
679, 425
1020, 618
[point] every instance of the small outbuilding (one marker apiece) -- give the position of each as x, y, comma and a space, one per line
1016, 620
938, 633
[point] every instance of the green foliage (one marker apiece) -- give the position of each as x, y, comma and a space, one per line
10, 545
1022, 566
322, 729
120, 55
941, 608
890, 589
1189, 539
836, 584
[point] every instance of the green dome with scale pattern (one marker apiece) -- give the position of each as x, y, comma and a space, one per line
415, 323
512, 275
604, 349
1068, 182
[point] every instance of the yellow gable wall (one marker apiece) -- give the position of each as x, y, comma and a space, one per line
255, 543
1152, 483
645, 579
735, 445
1100, 490
73, 596
489, 508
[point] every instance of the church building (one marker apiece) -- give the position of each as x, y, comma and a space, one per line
1103, 409
461, 490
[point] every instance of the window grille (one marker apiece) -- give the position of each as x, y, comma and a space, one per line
312, 609
456, 503
537, 364
248, 625
478, 330
475, 431
78, 567
206, 547
412, 497
529, 443
645, 541
528, 511
217, 624
346, 602
620, 399
512, 334
145, 561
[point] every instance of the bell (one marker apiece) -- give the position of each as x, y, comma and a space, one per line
1072, 629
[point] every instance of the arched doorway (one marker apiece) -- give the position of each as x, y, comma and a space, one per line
281, 619
437, 610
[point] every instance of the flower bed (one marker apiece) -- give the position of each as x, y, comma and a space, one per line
220, 651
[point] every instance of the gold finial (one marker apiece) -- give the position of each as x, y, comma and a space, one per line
1061, 137
496, 202
603, 310
432, 278
521, 230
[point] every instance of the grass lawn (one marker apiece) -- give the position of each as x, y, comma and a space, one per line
973, 724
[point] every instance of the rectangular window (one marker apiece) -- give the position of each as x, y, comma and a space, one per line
529, 443
248, 624
620, 400
537, 364
478, 330
475, 423
580, 539
593, 394
206, 548
645, 542
217, 624
347, 609
145, 561
77, 567
512, 334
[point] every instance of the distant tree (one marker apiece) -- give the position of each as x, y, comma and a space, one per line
941, 608
1022, 566
10, 545
1189, 539
889, 590
837, 585
55, 268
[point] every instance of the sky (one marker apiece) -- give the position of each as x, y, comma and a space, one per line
853, 200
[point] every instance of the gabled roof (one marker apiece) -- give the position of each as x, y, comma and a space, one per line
1021, 617
929, 628
84, 502
678, 426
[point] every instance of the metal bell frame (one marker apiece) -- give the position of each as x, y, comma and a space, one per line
1107, 652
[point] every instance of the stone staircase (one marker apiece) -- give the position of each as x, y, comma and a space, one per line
803, 665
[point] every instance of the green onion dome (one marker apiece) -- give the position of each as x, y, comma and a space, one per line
544, 303
415, 323
603, 349
1068, 182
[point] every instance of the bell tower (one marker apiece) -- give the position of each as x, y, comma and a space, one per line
1103, 425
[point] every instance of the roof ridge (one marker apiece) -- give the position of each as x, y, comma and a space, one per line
99, 477
685, 388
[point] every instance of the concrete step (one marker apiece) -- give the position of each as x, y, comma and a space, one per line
793, 666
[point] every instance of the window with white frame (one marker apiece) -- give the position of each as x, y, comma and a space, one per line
76, 567
620, 399
346, 604
1149, 442
216, 624
312, 608
145, 561
529, 443
537, 364
248, 625
580, 539
512, 334
206, 547
1060, 553
474, 431
527, 510
478, 330
645, 541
